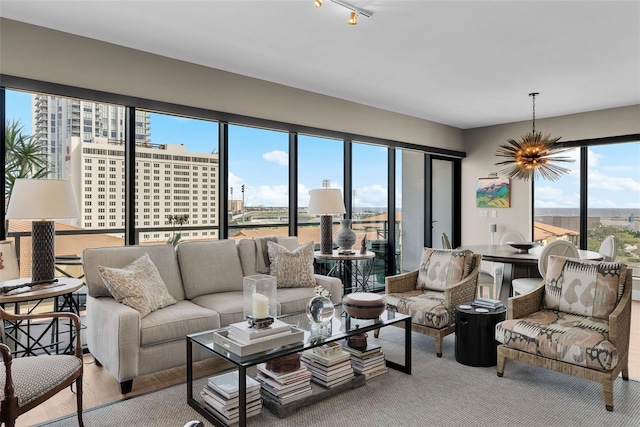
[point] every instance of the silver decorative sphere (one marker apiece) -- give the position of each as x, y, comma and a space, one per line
320, 310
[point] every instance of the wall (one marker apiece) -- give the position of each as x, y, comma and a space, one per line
481, 145
52, 56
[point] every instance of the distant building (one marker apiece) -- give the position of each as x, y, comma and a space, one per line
170, 180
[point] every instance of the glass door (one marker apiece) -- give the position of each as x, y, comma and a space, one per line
442, 201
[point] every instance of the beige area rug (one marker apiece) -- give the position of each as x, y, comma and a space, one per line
441, 392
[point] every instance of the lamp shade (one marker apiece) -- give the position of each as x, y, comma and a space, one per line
42, 199
326, 201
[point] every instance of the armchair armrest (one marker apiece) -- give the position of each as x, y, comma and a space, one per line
399, 283
55, 315
620, 319
525, 304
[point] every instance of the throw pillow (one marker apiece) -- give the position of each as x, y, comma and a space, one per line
292, 269
441, 267
587, 288
137, 285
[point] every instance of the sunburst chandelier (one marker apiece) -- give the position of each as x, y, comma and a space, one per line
532, 155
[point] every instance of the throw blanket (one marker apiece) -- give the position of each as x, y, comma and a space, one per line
263, 265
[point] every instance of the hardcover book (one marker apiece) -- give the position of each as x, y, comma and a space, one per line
227, 384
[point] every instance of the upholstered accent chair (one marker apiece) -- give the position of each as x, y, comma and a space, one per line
26, 382
577, 321
446, 278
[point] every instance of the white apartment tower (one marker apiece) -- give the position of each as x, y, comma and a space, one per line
169, 181
56, 120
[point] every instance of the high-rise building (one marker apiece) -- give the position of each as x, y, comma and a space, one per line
169, 181
56, 120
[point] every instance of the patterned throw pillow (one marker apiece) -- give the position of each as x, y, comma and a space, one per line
587, 288
292, 269
137, 285
439, 268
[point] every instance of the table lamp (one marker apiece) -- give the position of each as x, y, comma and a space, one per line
42, 200
326, 202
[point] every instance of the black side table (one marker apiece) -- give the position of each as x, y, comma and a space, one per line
475, 335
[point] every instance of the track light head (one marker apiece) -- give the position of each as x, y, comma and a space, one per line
353, 19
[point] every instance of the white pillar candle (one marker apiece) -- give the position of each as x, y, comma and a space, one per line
260, 306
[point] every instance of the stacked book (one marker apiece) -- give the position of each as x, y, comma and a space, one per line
488, 303
284, 387
221, 393
328, 370
369, 361
243, 333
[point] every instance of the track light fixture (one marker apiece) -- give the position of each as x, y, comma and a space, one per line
353, 19
355, 10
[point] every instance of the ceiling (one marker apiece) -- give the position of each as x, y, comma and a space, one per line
463, 63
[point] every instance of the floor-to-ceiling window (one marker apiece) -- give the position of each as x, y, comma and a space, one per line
370, 212
177, 180
258, 182
610, 181
320, 165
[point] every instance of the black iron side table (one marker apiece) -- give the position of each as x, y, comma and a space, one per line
475, 335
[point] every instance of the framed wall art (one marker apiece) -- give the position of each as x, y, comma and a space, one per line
493, 193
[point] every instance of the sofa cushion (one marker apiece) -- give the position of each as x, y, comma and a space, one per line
175, 322
439, 268
163, 256
579, 340
209, 267
587, 288
292, 269
138, 285
426, 308
229, 305
248, 252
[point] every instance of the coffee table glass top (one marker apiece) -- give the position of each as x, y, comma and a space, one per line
342, 326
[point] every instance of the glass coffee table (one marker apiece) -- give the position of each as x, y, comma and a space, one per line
341, 327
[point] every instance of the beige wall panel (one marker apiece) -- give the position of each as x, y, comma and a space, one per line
42, 54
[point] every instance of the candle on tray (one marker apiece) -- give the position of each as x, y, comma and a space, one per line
260, 306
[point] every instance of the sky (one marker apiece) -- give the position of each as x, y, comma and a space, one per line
258, 159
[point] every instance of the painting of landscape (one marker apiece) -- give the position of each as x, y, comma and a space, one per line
493, 193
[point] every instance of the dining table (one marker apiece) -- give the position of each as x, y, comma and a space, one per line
517, 264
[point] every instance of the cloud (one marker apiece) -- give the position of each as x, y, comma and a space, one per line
554, 197
267, 195
371, 196
612, 183
277, 156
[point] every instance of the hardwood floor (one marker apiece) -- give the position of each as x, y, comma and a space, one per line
100, 387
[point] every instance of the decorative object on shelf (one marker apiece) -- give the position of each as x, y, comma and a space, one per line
260, 302
37, 199
532, 155
355, 10
357, 341
345, 237
288, 363
326, 202
363, 245
363, 305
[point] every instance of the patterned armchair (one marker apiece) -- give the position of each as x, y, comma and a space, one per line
446, 278
577, 321
26, 382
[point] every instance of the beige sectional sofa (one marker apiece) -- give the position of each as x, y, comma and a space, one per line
205, 278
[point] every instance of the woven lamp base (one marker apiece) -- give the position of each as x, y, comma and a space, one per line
43, 259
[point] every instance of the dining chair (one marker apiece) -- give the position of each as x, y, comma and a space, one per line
491, 278
564, 248
608, 249
446, 243
511, 236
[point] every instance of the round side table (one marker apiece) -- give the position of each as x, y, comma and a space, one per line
475, 335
